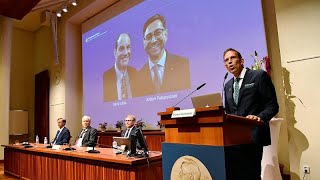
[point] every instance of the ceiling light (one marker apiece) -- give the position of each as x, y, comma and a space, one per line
65, 9
74, 2
58, 13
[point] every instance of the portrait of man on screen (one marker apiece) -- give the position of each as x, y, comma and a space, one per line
163, 71
117, 80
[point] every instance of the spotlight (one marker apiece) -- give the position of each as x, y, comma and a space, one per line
74, 2
65, 9
58, 13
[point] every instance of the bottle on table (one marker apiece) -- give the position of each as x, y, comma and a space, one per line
45, 141
114, 146
37, 140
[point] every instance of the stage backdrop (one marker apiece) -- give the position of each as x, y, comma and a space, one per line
198, 31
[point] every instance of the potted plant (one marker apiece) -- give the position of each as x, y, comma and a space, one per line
140, 124
103, 126
119, 125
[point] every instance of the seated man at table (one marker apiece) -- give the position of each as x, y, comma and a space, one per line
88, 135
131, 128
63, 134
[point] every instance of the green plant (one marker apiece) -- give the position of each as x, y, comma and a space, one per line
103, 125
140, 124
119, 124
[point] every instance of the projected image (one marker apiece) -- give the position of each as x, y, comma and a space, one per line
118, 81
153, 55
163, 71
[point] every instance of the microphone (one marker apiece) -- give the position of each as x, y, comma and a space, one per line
190, 94
224, 80
201, 86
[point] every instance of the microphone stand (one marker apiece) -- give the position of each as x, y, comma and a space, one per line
49, 146
176, 108
222, 97
184, 98
93, 150
26, 143
69, 148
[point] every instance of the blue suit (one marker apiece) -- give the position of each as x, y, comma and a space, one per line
63, 137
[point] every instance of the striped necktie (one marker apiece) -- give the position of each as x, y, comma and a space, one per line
124, 90
156, 78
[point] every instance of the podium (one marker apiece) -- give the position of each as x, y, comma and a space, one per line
203, 142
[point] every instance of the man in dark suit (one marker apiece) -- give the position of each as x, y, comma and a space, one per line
88, 135
163, 72
249, 94
63, 134
117, 81
131, 129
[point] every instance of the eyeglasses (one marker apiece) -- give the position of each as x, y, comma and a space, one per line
128, 120
157, 34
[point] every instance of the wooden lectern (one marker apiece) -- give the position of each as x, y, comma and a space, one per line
208, 134
210, 126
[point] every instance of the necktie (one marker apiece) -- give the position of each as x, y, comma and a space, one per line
126, 134
156, 78
236, 90
124, 91
57, 135
82, 132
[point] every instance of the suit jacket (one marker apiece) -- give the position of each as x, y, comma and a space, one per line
132, 133
257, 96
176, 76
110, 92
63, 137
90, 137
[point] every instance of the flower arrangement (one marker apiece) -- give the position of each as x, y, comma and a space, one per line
119, 124
261, 64
140, 124
103, 125
258, 63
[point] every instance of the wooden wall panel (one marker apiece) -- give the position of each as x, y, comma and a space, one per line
154, 138
11, 167
41, 106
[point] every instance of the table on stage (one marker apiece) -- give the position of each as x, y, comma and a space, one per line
44, 163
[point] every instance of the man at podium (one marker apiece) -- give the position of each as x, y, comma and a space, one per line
249, 94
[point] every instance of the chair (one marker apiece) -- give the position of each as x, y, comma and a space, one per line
70, 139
98, 141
